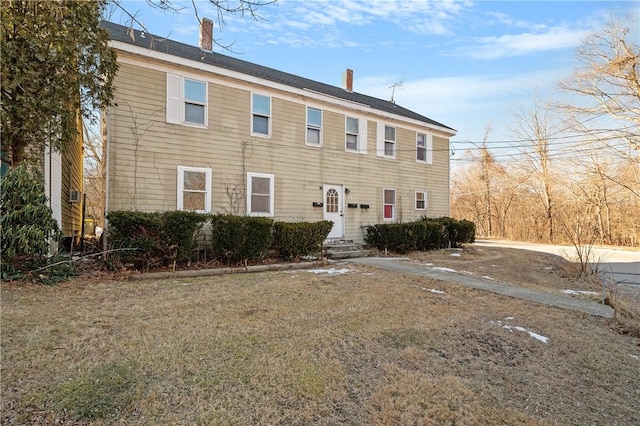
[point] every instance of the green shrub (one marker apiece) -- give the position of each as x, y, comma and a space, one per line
240, 238
183, 228
157, 239
425, 234
293, 240
27, 227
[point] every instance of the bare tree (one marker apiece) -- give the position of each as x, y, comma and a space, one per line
608, 83
535, 129
223, 9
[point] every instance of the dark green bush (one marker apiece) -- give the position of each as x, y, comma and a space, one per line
425, 234
240, 238
183, 228
27, 226
295, 239
154, 239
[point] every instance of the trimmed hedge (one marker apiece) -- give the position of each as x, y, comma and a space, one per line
424, 234
293, 240
240, 238
159, 238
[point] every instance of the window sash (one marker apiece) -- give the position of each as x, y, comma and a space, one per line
421, 200
260, 196
261, 114
421, 147
389, 204
389, 141
351, 129
194, 189
314, 126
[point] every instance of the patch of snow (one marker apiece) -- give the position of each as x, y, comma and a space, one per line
536, 336
634, 356
368, 273
548, 268
455, 254
309, 257
438, 268
488, 277
576, 292
509, 318
433, 290
427, 264
330, 271
539, 337
467, 272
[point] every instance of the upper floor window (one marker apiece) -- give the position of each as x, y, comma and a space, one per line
260, 188
424, 148
260, 115
314, 126
352, 130
389, 141
186, 101
386, 141
194, 189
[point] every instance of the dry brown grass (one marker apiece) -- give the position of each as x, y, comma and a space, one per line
366, 347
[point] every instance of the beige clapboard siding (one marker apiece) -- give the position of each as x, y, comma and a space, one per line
71, 179
145, 152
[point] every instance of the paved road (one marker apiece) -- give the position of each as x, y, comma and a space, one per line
403, 265
624, 265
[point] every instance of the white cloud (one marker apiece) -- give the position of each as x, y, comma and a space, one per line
510, 45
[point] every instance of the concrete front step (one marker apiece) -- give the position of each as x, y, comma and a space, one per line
344, 250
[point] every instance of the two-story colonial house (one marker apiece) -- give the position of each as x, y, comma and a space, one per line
197, 130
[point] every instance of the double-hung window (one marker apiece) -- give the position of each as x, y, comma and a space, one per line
260, 115
260, 188
421, 200
389, 204
314, 126
355, 135
194, 189
186, 101
389, 141
424, 148
386, 141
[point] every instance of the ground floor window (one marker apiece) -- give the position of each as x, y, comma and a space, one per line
421, 200
389, 204
194, 189
260, 188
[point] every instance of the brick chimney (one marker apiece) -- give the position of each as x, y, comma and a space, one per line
347, 80
206, 35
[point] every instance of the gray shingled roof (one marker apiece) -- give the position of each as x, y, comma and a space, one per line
160, 44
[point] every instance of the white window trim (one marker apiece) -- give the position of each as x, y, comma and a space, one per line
395, 204
175, 102
180, 187
362, 135
381, 141
313, 126
428, 142
426, 204
271, 178
269, 117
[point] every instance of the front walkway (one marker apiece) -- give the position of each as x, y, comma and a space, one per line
403, 265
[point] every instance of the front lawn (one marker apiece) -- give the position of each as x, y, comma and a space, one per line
356, 346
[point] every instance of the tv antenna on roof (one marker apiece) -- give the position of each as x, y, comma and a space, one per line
393, 89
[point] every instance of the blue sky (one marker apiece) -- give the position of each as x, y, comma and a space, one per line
466, 64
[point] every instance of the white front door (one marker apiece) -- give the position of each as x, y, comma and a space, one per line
333, 209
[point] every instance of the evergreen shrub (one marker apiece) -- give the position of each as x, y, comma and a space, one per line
240, 238
295, 239
424, 234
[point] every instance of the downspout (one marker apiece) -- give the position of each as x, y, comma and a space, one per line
107, 141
